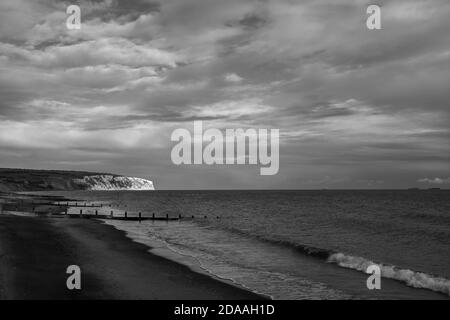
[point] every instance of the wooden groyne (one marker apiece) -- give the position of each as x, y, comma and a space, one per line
136, 217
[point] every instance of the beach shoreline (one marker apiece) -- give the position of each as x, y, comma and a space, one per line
192, 258
35, 252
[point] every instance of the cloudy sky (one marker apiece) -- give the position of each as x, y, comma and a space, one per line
356, 108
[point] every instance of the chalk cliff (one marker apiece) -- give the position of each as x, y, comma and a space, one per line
110, 182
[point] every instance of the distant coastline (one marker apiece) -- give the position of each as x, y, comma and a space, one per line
19, 180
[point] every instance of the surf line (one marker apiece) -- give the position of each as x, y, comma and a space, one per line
233, 142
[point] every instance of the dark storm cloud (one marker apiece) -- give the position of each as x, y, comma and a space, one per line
125, 10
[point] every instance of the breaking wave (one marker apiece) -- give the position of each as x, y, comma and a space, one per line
411, 278
415, 279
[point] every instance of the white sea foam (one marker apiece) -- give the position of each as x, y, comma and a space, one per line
409, 277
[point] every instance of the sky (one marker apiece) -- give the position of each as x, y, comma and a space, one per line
356, 108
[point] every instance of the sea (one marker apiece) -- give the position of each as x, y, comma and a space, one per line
297, 244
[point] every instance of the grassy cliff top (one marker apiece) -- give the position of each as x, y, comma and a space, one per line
36, 180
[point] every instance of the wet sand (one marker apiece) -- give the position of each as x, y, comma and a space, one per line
35, 252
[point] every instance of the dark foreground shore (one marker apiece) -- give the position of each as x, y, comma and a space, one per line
36, 251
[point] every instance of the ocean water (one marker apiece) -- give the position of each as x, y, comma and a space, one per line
299, 244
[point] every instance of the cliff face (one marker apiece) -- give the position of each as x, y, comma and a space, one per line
47, 180
110, 182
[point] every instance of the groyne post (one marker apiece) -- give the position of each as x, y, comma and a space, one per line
140, 217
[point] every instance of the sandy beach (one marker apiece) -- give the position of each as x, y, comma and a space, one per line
35, 252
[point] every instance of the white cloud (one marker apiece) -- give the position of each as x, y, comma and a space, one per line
41, 135
230, 109
233, 77
102, 51
434, 180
